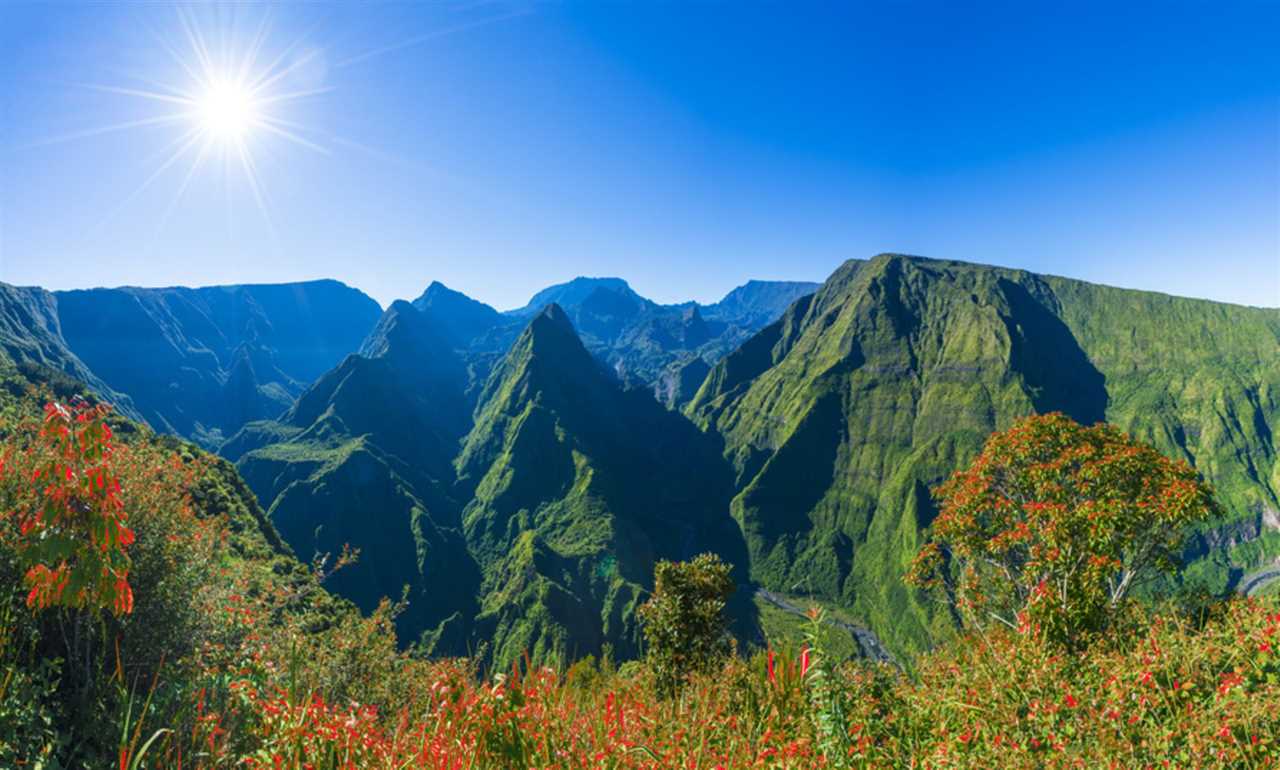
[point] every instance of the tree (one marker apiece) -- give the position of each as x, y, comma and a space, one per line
1053, 524
684, 621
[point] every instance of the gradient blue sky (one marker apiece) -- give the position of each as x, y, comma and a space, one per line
500, 147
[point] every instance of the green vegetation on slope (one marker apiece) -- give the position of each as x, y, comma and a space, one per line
523, 478
576, 487
841, 416
364, 459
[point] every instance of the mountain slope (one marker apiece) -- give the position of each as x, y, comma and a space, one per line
31, 336
840, 416
758, 303
524, 512
202, 362
576, 487
462, 320
364, 459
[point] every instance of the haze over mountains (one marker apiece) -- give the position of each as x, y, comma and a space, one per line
202, 362
521, 472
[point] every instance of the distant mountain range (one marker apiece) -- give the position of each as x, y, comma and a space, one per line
201, 363
520, 472
645, 343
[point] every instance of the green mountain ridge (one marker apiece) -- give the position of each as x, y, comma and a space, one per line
517, 475
576, 487
542, 514
365, 458
839, 417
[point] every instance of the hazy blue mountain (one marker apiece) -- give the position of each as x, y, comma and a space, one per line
758, 303
462, 320
573, 293
640, 339
31, 334
202, 362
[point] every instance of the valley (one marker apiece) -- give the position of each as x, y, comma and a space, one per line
519, 473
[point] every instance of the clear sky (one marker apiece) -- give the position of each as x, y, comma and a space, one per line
501, 147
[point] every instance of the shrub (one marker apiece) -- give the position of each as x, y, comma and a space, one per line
68, 525
684, 621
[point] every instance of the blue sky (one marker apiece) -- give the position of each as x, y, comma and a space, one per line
500, 147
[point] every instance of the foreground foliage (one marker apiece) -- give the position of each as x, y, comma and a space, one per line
231, 655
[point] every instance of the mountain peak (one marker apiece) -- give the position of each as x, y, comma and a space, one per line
435, 288
573, 293
555, 314
547, 351
402, 331
551, 333
461, 318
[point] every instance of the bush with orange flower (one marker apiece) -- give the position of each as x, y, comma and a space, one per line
1052, 526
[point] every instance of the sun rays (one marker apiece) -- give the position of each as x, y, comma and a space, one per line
227, 100
221, 94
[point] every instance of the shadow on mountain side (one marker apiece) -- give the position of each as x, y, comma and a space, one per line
697, 459
796, 477
1057, 371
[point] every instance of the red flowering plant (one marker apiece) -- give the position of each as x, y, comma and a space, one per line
66, 518
1054, 523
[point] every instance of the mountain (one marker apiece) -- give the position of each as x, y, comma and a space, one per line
464, 321
758, 303
840, 416
576, 486
573, 294
539, 497
201, 363
31, 337
364, 458
500, 467
643, 341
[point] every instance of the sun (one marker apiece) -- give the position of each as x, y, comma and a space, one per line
226, 96
227, 111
